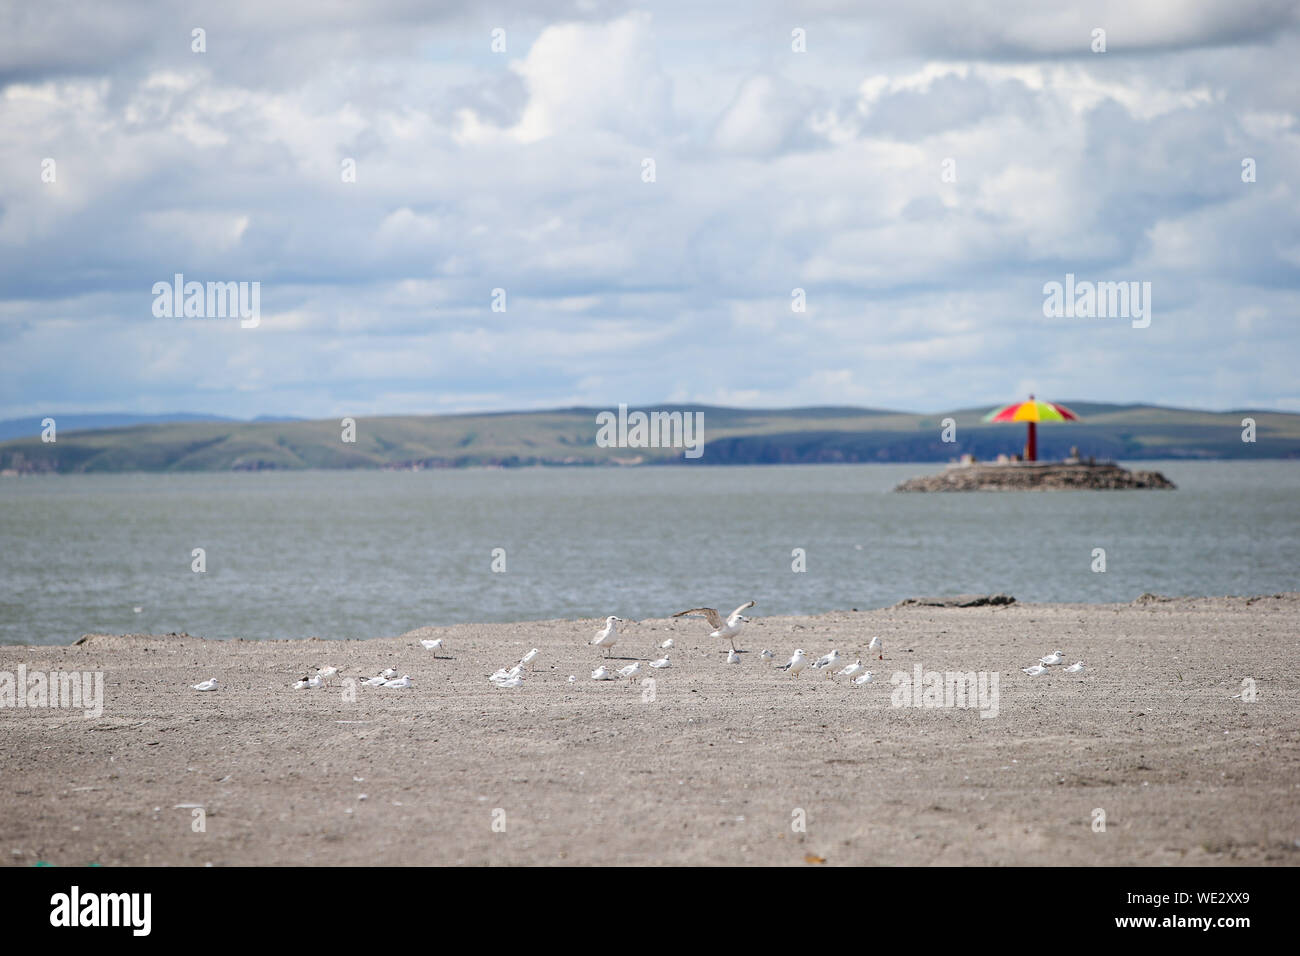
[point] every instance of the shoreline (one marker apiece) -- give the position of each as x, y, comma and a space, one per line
709, 772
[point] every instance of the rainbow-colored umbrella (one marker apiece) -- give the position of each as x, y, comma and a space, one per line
1032, 412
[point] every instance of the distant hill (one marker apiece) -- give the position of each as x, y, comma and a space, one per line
567, 437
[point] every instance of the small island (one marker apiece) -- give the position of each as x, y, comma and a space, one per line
1013, 475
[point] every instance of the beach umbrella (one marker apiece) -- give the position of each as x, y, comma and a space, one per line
1032, 412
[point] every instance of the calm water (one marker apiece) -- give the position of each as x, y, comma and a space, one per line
364, 554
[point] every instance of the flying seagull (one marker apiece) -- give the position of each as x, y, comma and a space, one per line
728, 628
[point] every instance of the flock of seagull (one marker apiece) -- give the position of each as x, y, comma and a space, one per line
607, 637
1054, 659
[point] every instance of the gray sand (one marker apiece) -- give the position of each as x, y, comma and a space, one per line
710, 772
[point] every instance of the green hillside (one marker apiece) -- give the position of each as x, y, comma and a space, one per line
568, 437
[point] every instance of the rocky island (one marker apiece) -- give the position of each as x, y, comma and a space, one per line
968, 475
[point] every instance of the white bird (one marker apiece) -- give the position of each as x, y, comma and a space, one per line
1076, 667
1052, 659
1035, 671
603, 673
853, 669
607, 637
728, 628
666, 645
878, 646
795, 664
403, 681
325, 673
138, 610
863, 679
388, 673
431, 645
309, 683
827, 661
503, 674
572, 679
375, 682
766, 655
209, 684
733, 657
632, 671
661, 663
512, 682
529, 657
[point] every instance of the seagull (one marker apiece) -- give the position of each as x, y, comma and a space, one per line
666, 645
572, 679
827, 661
431, 645
1035, 671
728, 628
388, 673
863, 679
1075, 668
512, 682
795, 664
603, 673
1052, 659
853, 669
209, 684
632, 671
309, 683
325, 673
529, 657
503, 674
375, 682
403, 681
733, 657
767, 655
878, 646
661, 663
608, 636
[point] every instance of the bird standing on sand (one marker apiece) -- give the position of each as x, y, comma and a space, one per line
878, 646
432, 645
852, 670
826, 662
527, 659
607, 637
767, 655
795, 664
728, 628
631, 672
666, 645
733, 657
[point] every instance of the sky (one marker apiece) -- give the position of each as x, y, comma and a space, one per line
920, 170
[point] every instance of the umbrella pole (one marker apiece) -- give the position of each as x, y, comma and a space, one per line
1031, 449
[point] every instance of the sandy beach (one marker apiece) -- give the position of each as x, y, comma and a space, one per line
718, 768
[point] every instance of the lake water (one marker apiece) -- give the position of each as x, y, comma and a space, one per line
369, 553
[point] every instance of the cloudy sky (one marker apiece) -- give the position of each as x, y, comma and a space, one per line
524, 170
